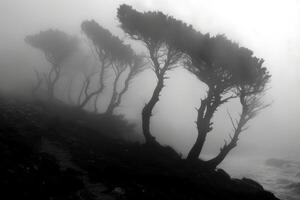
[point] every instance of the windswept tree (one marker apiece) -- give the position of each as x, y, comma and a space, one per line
112, 53
250, 96
86, 84
57, 47
223, 66
121, 58
134, 64
102, 43
159, 34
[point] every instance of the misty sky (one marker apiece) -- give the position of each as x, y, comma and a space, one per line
270, 28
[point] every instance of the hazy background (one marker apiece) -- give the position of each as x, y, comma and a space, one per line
270, 28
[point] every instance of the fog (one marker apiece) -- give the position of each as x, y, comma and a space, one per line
270, 28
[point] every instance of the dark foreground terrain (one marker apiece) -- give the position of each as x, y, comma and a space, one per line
57, 152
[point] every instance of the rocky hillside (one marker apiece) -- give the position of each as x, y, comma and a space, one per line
54, 151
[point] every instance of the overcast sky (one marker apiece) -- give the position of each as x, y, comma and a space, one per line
270, 28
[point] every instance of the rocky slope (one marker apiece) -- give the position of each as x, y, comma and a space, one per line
54, 151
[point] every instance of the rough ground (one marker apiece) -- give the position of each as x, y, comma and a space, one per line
57, 152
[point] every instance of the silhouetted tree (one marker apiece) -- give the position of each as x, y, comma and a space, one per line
102, 41
111, 52
85, 86
57, 47
250, 97
222, 65
121, 58
160, 34
135, 66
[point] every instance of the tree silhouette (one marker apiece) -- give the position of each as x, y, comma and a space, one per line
250, 97
57, 47
112, 53
160, 34
223, 66
121, 59
101, 40
136, 66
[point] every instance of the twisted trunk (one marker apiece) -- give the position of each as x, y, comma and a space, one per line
205, 113
214, 162
126, 86
147, 111
97, 92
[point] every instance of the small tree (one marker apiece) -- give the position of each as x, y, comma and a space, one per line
160, 35
57, 47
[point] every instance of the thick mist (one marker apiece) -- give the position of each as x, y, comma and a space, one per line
269, 28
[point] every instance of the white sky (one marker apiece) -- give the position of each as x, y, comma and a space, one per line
270, 28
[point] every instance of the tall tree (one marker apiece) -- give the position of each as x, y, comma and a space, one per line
57, 47
159, 34
222, 65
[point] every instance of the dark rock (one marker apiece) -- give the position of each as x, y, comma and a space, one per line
252, 183
224, 175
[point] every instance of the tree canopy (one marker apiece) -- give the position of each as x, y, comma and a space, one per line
226, 68
105, 43
56, 44
161, 35
111, 51
57, 47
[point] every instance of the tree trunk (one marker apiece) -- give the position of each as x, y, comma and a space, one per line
147, 111
112, 103
96, 103
97, 92
87, 98
214, 162
126, 86
205, 113
197, 148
